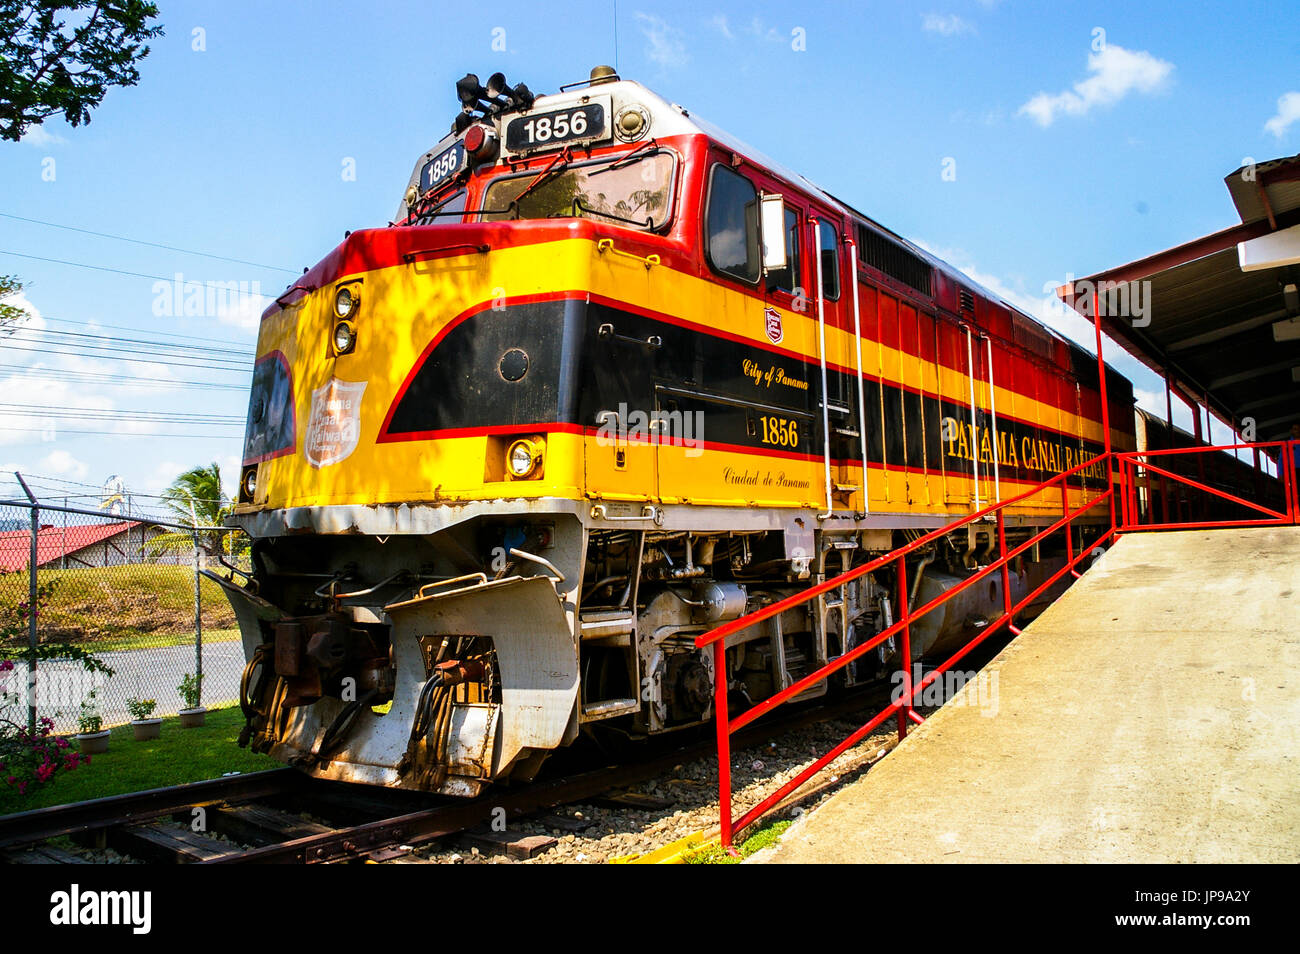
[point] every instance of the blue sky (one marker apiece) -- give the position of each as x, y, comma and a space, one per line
1067, 151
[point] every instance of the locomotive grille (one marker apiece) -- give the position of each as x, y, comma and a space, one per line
894, 260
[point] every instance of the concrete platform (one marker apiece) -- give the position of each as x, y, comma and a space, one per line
1151, 715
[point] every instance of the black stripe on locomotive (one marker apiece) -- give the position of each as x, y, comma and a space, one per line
583, 358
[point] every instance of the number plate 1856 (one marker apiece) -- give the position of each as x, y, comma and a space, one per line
588, 122
442, 166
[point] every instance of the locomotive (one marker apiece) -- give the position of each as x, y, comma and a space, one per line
609, 378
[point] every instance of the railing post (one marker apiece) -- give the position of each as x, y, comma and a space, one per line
1127, 481
1006, 567
905, 613
1069, 537
1147, 473
1105, 406
722, 723
1286, 464
1259, 484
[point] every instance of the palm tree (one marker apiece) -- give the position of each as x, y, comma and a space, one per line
197, 500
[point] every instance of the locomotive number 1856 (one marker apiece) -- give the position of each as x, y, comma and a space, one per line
555, 127
780, 432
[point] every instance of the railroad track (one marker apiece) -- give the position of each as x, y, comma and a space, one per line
258, 817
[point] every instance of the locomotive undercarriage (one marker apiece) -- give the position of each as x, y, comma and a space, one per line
450, 660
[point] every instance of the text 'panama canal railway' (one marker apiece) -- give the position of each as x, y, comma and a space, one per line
613, 377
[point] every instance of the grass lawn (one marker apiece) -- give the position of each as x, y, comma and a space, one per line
159, 640
121, 607
181, 755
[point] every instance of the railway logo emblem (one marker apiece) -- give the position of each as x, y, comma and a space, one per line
335, 423
772, 325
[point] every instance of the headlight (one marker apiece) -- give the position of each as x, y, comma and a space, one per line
345, 339
523, 457
631, 122
345, 302
250, 483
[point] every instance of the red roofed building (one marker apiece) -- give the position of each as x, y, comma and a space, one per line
82, 545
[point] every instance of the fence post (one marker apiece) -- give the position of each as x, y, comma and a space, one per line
198, 621
32, 559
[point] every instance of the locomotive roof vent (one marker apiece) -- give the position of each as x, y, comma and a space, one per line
966, 299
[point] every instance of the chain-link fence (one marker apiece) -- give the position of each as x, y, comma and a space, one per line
98, 610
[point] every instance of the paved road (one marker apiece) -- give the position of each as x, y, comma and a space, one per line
144, 673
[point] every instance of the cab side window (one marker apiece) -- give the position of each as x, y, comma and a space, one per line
788, 279
731, 239
830, 252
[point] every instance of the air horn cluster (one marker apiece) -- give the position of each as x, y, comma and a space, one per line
479, 102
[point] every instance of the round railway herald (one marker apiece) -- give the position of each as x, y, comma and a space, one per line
610, 379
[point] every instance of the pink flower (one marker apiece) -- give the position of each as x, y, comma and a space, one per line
6, 665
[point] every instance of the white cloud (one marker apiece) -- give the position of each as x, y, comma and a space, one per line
1113, 74
665, 47
757, 28
946, 24
1288, 112
719, 22
40, 137
163, 474
33, 321
62, 464
68, 388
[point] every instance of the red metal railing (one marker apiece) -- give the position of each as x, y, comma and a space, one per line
1146, 503
1128, 469
902, 706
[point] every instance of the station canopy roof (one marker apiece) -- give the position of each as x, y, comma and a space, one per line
1220, 314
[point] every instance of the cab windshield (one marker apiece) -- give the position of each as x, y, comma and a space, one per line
634, 190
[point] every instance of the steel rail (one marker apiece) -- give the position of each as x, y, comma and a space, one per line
42, 824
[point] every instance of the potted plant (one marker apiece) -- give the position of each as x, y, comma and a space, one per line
142, 725
92, 737
190, 689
